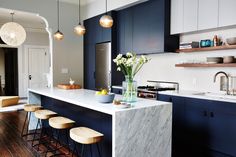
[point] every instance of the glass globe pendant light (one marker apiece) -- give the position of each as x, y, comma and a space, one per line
106, 20
58, 35
12, 33
79, 29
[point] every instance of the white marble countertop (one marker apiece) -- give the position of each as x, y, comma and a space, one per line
86, 98
202, 95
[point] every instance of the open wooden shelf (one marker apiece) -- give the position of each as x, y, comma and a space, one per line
224, 47
205, 65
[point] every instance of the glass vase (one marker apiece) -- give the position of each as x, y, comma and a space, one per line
129, 90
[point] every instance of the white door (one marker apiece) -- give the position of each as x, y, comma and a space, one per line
38, 67
177, 16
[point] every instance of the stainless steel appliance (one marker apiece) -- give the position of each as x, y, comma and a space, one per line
150, 91
103, 66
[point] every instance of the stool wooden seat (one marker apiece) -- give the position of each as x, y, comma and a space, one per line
61, 122
32, 107
85, 135
44, 114
29, 108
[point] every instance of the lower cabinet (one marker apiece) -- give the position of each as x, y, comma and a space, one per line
202, 128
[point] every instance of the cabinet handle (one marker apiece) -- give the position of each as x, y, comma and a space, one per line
205, 113
212, 114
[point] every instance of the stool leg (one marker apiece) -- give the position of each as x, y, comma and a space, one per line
91, 151
35, 132
82, 150
23, 129
75, 149
67, 140
98, 150
41, 134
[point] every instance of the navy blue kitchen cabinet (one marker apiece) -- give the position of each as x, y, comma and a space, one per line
94, 34
204, 128
124, 31
145, 28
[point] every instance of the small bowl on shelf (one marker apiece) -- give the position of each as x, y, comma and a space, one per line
108, 98
231, 41
228, 59
214, 60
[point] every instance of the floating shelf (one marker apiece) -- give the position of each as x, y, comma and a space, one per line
225, 47
188, 65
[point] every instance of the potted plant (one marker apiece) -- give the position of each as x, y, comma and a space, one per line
129, 65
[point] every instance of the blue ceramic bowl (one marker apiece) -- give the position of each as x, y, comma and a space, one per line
105, 98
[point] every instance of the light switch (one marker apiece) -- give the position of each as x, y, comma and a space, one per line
64, 71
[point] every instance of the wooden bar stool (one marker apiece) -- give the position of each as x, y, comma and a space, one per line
42, 115
61, 123
85, 136
29, 108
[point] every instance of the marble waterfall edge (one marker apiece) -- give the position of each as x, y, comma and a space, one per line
144, 133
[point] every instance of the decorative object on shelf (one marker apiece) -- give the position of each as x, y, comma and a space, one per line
194, 44
12, 33
231, 41
79, 29
129, 65
206, 43
106, 20
228, 59
72, 82
214, 60
58, 35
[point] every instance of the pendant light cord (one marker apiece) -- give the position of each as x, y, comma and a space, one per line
79, 12
58, 22
12, 14
106, 6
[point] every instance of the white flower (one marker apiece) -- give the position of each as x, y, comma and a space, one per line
129, 54
118, 69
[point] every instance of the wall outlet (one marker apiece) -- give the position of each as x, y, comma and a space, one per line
64, 71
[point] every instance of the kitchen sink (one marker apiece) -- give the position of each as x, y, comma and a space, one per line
215, 95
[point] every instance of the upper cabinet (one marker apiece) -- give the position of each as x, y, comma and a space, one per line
196, 15
227, 12
177, 16
190, 15
145, 28
208, 14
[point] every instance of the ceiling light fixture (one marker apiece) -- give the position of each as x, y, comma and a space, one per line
58, 35
79, 29
106, 20
12, 33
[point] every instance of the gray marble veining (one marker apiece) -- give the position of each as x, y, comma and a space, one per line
144, 133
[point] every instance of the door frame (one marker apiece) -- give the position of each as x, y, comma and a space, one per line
24, 68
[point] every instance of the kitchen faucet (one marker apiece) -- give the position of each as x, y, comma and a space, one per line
227, 79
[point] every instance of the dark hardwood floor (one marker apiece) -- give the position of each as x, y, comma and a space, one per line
11, 143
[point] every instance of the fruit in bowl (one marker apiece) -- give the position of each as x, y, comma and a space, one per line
104, 97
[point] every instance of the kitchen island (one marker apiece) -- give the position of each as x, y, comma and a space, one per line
144, 130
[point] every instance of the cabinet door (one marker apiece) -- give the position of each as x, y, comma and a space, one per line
190, 15
124, 31
227, 12
222, 127
196, 125
89, 66
148, 27
177, 16
208, 14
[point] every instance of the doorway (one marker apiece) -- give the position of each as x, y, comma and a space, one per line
9, 72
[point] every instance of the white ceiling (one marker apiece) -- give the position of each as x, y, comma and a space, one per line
27, 20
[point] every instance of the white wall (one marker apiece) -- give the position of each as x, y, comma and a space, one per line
2, 66
162, 66
67, 53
